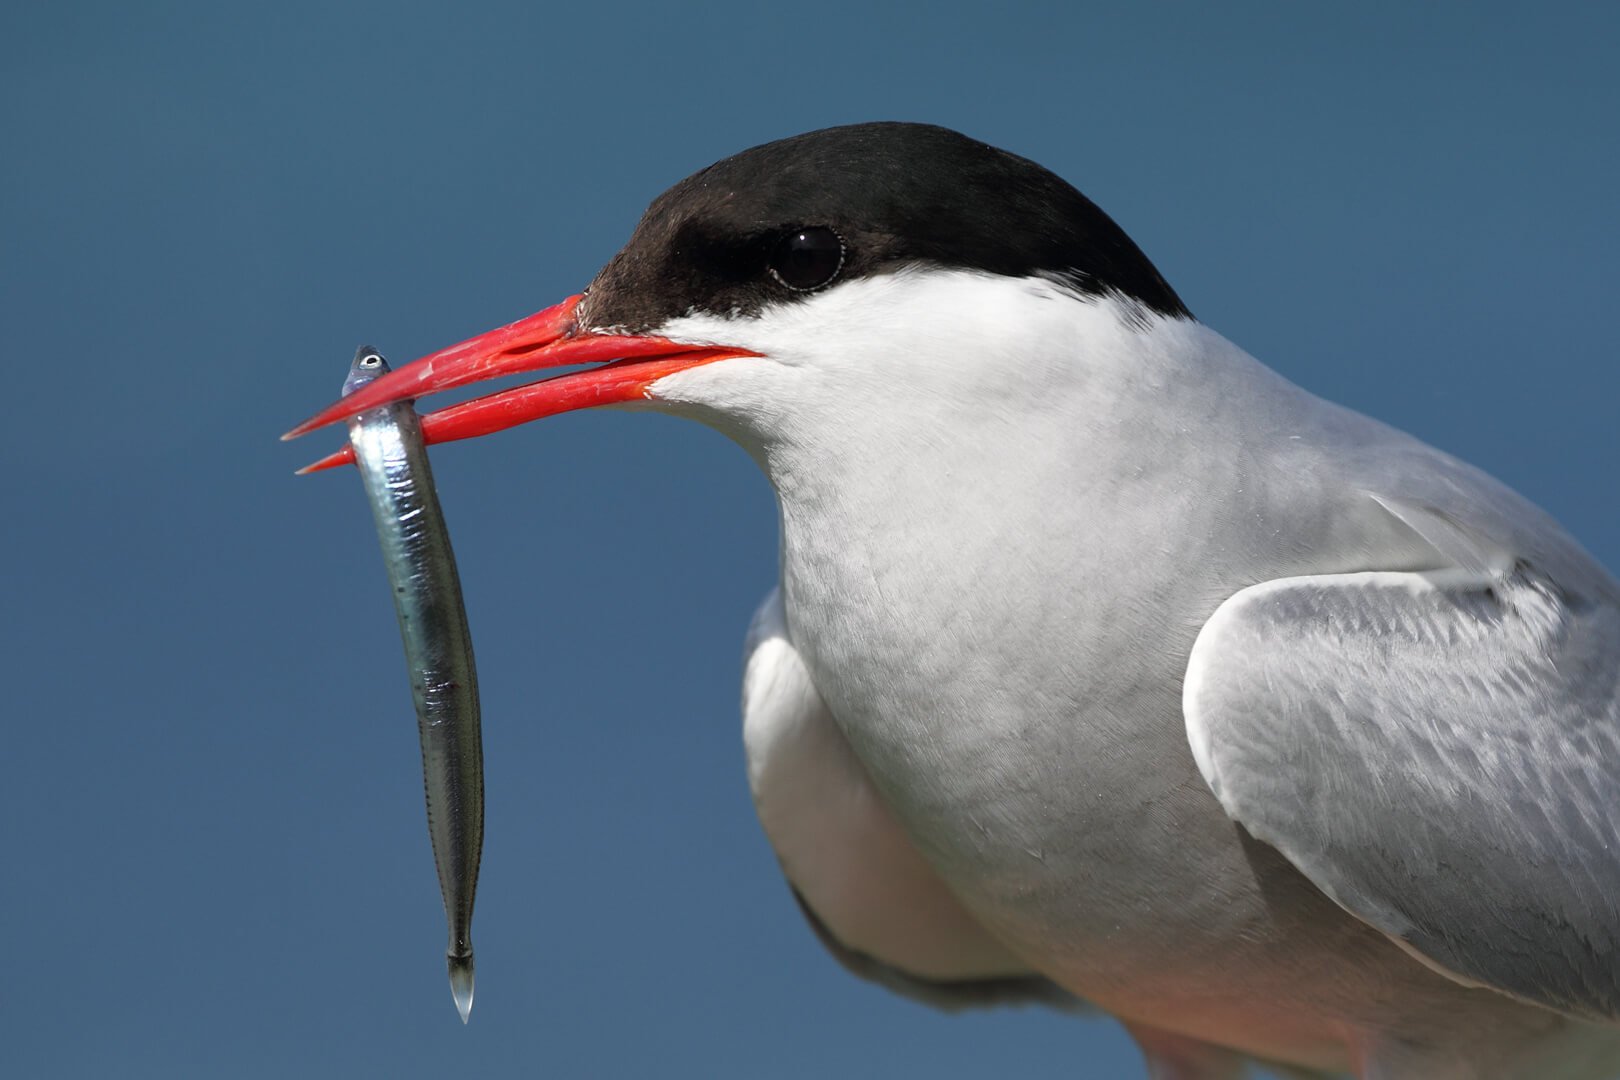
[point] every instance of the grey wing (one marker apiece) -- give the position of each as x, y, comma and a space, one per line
1439, 752
870, 897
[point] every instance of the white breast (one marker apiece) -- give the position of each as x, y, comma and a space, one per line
837, 841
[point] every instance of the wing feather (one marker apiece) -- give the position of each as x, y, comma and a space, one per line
1439, 752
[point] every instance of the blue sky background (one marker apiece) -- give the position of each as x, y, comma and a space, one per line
216, 861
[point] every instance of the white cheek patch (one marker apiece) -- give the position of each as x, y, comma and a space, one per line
848, 362
917, 318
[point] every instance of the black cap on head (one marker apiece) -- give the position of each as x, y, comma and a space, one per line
784, 219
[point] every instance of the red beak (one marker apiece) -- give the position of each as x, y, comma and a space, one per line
547, 339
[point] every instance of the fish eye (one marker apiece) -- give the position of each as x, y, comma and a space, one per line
370, 360
807, 258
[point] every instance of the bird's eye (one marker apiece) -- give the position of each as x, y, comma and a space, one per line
807, 258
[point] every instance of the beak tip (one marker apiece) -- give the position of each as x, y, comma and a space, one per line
498, 352
336, 458
312, 424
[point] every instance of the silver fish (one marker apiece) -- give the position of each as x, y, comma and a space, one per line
393, 464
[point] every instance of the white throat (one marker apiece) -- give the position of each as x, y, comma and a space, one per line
942, 443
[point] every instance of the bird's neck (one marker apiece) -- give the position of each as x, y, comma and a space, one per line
955, 464
999, 542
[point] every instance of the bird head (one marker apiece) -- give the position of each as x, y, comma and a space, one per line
872, 263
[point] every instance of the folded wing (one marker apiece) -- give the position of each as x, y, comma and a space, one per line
1439, 752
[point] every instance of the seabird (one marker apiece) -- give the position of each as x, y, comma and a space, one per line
1107, 665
